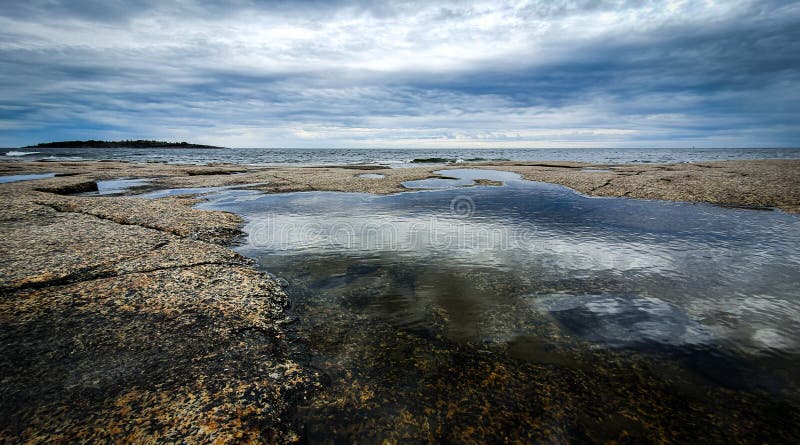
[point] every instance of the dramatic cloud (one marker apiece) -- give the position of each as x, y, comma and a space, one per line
406, 74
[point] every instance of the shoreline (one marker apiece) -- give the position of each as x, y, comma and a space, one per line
766, 183
129, 319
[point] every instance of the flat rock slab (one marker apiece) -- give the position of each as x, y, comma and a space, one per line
127, 320
761, 183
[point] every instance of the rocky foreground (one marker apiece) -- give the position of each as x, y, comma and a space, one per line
129, 320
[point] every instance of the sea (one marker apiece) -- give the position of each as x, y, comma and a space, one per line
396, 157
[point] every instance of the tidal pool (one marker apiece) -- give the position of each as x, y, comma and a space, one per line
110, 187
29, 177
118, 186
528, 312
437, 183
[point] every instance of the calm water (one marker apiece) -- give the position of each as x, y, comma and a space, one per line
529, 312
29, 177
393, 157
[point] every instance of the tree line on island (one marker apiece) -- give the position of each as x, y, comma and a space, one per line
119, 144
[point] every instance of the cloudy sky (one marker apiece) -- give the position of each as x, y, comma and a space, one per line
404, 74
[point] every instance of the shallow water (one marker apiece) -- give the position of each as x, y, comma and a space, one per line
437, 183
118, 186
15, 178
556, 312
460, 177
181, 191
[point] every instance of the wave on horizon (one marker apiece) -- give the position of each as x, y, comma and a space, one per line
21, 153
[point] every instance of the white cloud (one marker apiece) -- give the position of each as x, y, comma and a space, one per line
427, 74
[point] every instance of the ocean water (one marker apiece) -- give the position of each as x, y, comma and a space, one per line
530, 312
395, 157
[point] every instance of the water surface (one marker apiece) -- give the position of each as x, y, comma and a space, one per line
531, 312
15, 178
399, 157
110, 187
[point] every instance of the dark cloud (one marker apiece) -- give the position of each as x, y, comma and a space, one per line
311, 73
94, 10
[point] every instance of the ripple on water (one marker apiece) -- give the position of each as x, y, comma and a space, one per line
396, 294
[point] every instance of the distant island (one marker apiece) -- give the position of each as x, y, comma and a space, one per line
118, 144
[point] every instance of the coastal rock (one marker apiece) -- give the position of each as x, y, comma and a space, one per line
750, 183
755, 183
128, 320
125, 320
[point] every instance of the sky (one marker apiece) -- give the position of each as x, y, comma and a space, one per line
528, 74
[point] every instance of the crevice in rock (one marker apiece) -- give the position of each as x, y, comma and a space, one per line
86, 274
521, 164
207, 236
607, 183
67, 209
610, 181
80, 187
